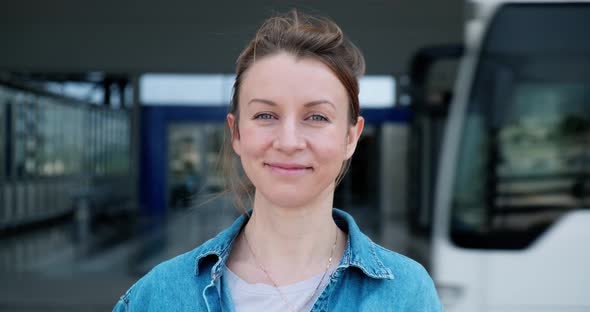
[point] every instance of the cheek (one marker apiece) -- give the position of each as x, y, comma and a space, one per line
254, 140
330, 147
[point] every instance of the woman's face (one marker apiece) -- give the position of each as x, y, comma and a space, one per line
294, 130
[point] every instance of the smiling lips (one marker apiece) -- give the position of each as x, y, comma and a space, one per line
288, 168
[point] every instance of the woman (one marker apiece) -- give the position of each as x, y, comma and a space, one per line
294, 125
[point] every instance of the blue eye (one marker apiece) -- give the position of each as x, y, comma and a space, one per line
264, 116
317, 117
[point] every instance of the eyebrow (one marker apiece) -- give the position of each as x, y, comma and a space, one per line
308, 104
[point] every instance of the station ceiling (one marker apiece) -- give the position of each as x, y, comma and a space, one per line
128, 37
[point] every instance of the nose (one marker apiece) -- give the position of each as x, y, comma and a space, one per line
289, 138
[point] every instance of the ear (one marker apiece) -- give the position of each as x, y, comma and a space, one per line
354, 133
234, 136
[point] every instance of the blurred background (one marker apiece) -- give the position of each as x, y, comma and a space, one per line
473, 161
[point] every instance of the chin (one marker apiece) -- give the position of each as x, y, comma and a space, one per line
288, 200
292, 197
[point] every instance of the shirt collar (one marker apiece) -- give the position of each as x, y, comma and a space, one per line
360, 251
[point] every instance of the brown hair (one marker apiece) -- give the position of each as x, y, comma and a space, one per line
302, 36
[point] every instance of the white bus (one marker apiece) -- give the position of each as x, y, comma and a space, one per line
511, 217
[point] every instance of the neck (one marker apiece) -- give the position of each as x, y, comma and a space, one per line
291, 243
292, 223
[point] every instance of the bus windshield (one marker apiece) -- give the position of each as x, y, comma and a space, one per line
524, 156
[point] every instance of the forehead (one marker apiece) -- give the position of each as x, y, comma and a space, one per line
284, 78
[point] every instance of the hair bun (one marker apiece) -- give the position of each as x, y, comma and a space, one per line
305, 35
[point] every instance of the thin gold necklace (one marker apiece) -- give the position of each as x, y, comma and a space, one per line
274, 284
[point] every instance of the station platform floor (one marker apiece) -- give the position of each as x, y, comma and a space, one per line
54, 271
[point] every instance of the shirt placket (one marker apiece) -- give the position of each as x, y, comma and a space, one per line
321, 304
212, 292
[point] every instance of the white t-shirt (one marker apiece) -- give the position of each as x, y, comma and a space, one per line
248, 297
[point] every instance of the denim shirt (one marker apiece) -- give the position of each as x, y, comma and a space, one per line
368, 278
